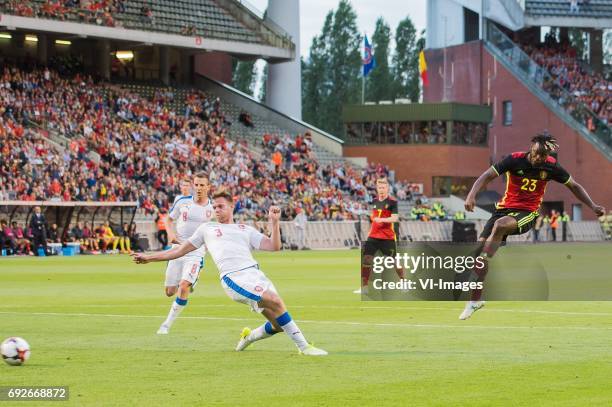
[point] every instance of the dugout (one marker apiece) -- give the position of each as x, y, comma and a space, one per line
66, 214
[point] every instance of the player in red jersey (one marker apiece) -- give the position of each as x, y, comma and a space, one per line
527, 174
382, 237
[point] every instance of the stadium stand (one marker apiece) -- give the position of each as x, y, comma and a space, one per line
203, 18
145, 147
585, 8
572, 102
573, 75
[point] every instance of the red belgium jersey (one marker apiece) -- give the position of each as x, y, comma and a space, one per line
383, 209
526, 184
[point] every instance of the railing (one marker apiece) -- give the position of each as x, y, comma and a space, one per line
577, 111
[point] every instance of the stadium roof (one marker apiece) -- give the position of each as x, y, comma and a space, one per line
216, 25
416, 112
592, 14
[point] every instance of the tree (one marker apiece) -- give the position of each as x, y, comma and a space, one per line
344, 66
579, 40
607, 46
331, 76
243, 76
264, 84
379, 84
405, 61
314, 76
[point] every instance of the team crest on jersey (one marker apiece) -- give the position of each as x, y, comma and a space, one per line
543, 174
258, 288
241, 227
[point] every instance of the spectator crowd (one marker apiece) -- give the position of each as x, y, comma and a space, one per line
573, 81
100, 12
124, 147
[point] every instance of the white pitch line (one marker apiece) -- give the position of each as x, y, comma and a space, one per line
357, 307
351, 323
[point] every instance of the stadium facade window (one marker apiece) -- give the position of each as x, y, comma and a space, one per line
471, 25
441, 186
416, 132
404, 132
370, 132
507, 112
388, 132
354, 133
448, 185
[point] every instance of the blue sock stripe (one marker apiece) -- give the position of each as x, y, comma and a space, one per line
269, 328
180, 301
284, 319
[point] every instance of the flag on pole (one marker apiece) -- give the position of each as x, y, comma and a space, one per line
369, 62
423, 68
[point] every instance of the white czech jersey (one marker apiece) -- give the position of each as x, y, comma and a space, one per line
188, 217
229, 244
176, 198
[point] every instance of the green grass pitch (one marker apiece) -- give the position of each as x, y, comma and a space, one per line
91, 323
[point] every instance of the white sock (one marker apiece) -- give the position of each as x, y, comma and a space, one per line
292, 330
175, 309
261, 332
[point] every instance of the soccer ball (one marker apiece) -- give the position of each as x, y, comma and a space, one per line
15, 351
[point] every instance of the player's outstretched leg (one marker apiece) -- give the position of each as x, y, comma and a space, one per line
366, 271
177, 305
248, 336
274, 304
503, 226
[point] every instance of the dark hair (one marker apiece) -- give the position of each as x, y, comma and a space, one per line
547, 144
222, 193
201, 174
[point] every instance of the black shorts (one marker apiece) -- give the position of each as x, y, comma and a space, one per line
387, 247
525, 220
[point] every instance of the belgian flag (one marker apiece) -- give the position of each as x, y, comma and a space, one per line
423, 68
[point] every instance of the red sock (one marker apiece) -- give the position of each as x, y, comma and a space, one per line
481, 273
365, 275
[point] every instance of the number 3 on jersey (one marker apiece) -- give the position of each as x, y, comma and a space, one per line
529, 184
218, 232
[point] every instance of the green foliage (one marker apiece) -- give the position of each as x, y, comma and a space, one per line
243, 76
579, 39
406, 61
379, 84
264, 84
91, 322
331, 75
332, 72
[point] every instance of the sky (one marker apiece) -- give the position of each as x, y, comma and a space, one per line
313, 12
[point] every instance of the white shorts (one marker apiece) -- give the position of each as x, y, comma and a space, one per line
184, 268
247, 286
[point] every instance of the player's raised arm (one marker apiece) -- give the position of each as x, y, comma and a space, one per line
482, 181
171, 254
272, 243
581, 193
